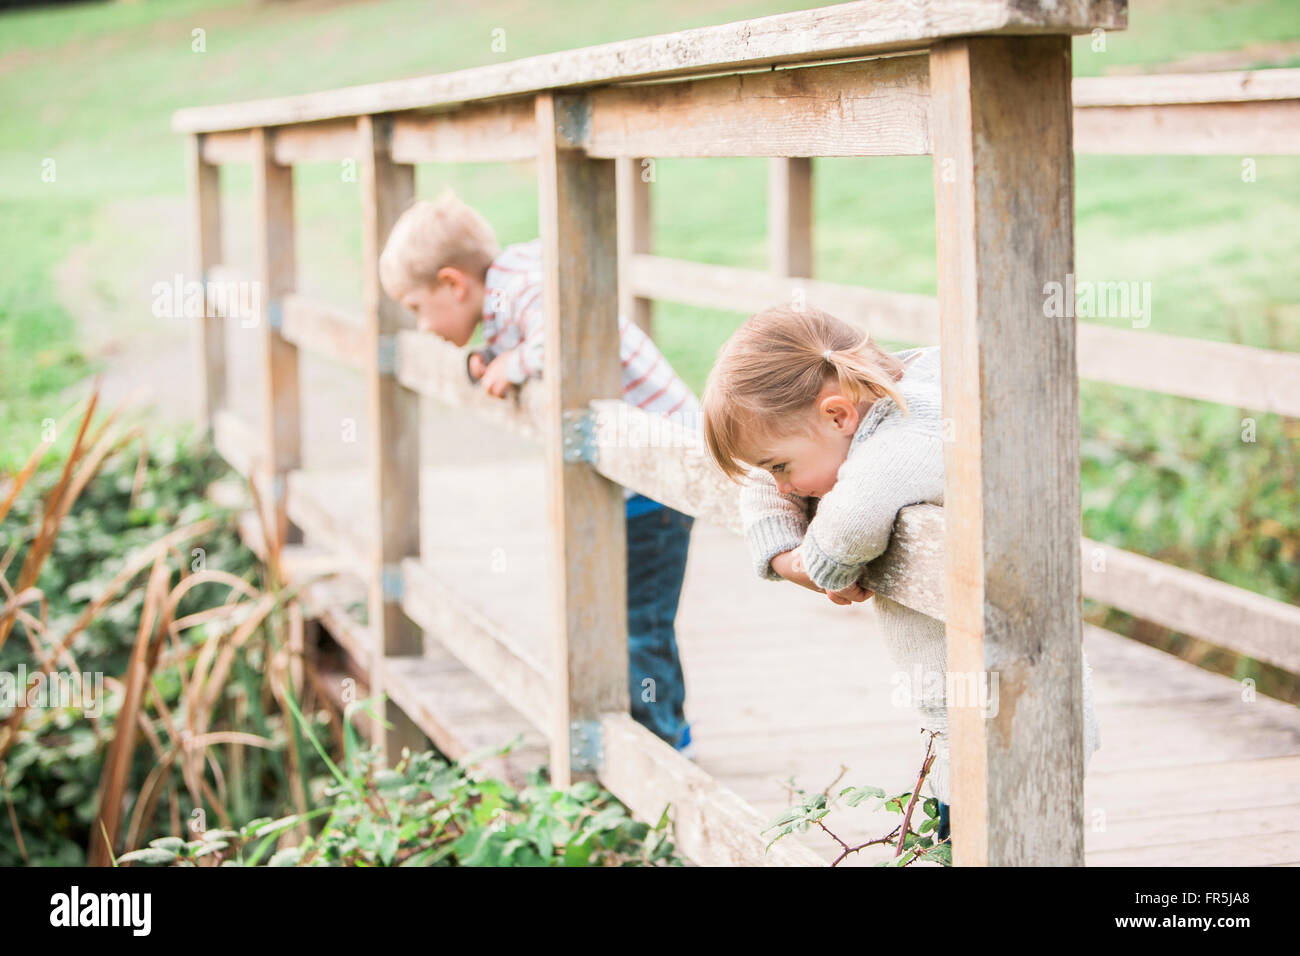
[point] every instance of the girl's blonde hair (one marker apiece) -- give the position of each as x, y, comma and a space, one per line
430, 235
770, 372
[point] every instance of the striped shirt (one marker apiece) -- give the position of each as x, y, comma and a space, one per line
514, 325
513, 317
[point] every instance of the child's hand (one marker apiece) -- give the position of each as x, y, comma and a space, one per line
494, 379
854, 592
784, 565
476, 365
793, 560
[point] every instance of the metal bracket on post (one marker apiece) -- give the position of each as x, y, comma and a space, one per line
387, 358
390, 580
579, 436
586, 746
275, 314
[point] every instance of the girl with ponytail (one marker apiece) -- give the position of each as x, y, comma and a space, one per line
830, 436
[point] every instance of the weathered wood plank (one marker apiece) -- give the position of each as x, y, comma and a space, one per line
460, 714
1253, 128
1248, 623
393, 431
329, 141
324, 330
234, 440
893, 315
205, 252
430, 366
711, 825
585, 510
1004, 196
477, 642
228, 146
789, 214
838, 31
1243, 113
632, 178
1222, 372
312, 509
1165, 88
1111, 842
275, 256
1234, 125
1195, 788
864, 108
1278, 848
500, 132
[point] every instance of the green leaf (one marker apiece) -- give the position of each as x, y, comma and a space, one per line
150, 856
289, 856
386, 779
388, 846
899, 803
856, 795
577, 853
584, 791
786, 816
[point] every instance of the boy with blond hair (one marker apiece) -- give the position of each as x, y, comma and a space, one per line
442, 261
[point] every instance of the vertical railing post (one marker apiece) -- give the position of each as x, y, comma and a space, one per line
635, 235
277, 275
1004, 193
205, 252
387, 188
789, 216
585, 510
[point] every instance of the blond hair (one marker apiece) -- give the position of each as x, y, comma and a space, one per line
430, 235
770, 372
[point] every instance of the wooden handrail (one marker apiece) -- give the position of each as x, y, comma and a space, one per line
1166, 89
839, 31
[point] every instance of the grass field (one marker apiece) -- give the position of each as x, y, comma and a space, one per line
91, 88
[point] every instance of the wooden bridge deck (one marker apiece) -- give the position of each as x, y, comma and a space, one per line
782, 683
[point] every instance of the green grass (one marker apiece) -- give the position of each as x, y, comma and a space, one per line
1165, 31
92, 87
38, 354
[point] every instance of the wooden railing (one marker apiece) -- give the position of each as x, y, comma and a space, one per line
883, 78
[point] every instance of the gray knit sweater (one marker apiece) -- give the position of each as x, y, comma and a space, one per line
894, 460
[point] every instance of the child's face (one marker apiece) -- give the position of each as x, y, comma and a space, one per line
451, 309
809, 464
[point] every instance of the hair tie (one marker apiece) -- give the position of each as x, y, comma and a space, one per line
827, 355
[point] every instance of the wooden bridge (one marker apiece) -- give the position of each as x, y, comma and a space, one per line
483, 623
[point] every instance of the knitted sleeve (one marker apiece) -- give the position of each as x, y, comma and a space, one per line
893, 468
774, 523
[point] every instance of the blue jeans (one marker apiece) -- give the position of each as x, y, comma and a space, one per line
657, 541
944, 831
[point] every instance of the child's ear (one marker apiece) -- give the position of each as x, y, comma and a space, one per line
455, 280
841, 411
